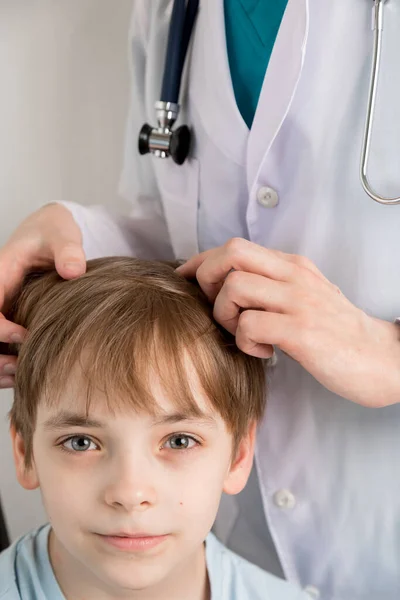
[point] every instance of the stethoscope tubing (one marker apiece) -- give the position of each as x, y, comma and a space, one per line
373, 90
182, 21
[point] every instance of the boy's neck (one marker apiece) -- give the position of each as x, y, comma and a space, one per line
191, 582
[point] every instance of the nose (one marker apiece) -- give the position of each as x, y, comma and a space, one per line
131, 487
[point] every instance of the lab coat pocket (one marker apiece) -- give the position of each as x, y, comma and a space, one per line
179, 191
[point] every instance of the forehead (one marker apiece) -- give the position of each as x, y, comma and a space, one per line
74, 399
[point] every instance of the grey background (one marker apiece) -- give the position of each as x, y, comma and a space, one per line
64, 80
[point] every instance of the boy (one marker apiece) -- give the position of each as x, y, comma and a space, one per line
133, 411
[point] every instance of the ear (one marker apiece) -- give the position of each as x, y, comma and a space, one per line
26, 476
241, 466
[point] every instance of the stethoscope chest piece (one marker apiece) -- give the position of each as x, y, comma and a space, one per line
162, 141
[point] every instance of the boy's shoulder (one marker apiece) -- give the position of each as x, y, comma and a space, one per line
18, 566
8, 574
8, 587
234, 578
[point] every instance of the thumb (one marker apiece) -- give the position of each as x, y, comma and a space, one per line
69, 258
65, 244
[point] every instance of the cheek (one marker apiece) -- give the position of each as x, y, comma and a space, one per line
64, 491
199, 493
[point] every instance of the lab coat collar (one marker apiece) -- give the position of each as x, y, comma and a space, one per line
211, 89
285, 66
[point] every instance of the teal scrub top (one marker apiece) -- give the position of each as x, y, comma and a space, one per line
251, 30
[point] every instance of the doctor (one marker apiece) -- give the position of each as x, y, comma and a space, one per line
275, 161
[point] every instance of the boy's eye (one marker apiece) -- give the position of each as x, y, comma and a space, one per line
79, 443
180, 441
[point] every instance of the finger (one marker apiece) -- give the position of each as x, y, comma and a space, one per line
189, 268
7, 382
193, 269
212, 267
11, 273
301, 261
8, 365
258, 331
69, 258
241, 255
243, 290
65, 243
11, 333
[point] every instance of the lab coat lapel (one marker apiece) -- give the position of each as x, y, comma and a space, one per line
178, 184
211, 90
179, 188
285, 67
207, 94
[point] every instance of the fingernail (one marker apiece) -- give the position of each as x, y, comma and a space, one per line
181, 262
73, 267
16, 338
6, 382
9, 369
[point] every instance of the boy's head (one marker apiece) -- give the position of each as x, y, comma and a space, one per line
133, 411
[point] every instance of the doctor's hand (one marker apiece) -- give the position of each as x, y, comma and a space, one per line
266, 297
49, 236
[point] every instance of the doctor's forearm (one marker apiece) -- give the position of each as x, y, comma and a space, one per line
108, 234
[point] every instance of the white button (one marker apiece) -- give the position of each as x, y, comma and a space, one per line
284, 499
313, 592
267, 197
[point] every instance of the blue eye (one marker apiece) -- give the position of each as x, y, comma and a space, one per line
79, 443
180, 441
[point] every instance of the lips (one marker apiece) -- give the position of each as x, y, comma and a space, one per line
133, 542
126, 534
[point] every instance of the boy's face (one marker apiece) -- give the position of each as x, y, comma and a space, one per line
130, 497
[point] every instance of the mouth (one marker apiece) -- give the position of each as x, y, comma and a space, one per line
133, 542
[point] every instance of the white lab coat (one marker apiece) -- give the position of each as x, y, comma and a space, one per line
328, 468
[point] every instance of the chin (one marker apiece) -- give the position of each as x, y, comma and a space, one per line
133, 577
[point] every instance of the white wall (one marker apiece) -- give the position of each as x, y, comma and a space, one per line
63, 101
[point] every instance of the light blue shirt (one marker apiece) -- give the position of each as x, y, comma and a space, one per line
26, 573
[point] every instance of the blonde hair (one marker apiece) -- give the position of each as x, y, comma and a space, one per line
123, 321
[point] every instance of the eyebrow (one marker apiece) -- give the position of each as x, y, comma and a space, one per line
68, 419
172, 418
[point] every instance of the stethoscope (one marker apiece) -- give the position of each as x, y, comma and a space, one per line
163, 141
366, 145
